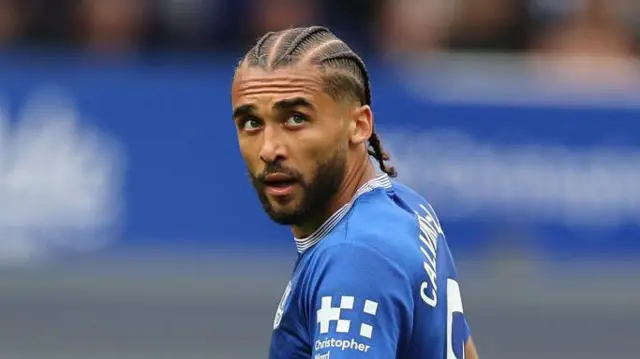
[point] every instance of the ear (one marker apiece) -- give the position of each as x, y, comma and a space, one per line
361, 125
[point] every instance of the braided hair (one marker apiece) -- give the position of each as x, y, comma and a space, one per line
344, 71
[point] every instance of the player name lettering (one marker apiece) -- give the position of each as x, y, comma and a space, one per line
341, 344
429, 231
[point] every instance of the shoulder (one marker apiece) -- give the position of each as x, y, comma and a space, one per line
376, 230
380, 220
392, 223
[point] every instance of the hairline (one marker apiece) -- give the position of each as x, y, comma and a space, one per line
326, 73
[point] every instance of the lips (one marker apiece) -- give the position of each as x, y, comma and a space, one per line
279, 184
278, 179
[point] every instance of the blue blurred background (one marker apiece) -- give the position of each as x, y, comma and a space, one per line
129, 229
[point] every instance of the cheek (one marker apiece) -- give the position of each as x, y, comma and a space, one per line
249, 154
311, 158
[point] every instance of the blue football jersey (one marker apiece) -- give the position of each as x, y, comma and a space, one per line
376, 280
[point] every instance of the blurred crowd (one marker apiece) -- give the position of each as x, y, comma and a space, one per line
607, 27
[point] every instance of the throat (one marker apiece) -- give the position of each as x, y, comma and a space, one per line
307, 229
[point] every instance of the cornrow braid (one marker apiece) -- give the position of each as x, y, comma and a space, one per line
351, 56
306, 35
347, 75
258, 55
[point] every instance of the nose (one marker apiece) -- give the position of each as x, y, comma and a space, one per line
273, 148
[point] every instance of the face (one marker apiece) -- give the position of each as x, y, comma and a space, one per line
294, 139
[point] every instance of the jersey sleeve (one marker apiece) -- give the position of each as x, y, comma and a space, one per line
360, 304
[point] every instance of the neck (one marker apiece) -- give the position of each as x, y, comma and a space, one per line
354, 178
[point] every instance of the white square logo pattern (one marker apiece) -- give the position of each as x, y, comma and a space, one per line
328, 314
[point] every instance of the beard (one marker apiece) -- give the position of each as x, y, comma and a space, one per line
317, 192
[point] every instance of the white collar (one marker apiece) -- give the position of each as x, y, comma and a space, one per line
302, 244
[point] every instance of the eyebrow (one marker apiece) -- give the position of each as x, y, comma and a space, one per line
243, 110
289, 104
282, 105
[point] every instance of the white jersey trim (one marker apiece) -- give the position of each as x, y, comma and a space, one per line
302, 244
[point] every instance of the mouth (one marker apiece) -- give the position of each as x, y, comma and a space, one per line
279, 184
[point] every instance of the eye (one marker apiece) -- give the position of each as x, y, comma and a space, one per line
251, 124
296, 120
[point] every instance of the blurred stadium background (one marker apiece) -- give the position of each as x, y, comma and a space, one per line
128, 228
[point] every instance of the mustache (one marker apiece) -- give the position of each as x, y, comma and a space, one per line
273, 168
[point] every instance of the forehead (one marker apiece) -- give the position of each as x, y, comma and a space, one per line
254, 85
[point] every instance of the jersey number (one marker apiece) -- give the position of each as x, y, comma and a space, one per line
454, 305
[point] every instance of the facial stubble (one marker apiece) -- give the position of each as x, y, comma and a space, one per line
317, 192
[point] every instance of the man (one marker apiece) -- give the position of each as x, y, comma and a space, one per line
374, 277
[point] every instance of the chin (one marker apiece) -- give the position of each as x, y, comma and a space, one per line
284, 218
286, 215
